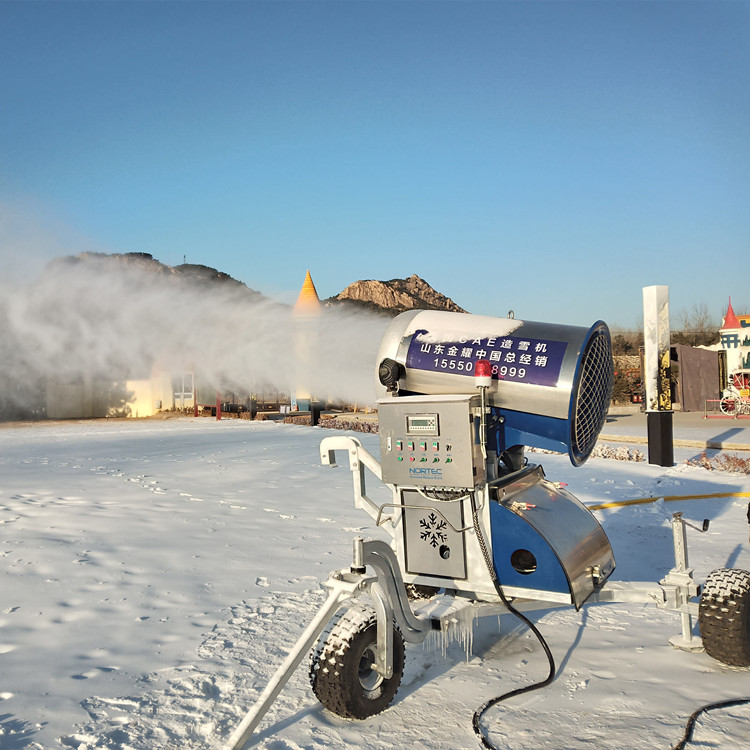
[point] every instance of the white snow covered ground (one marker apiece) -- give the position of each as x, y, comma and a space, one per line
154, 573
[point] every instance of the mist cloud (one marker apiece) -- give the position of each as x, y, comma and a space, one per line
104, 320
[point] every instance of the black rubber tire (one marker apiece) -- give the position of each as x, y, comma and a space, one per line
724, 616
341, 671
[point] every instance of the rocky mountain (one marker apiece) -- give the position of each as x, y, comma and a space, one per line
385, 297
395, 296
193, 274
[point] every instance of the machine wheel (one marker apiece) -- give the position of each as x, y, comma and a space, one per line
341, 670
724, 616
728, 405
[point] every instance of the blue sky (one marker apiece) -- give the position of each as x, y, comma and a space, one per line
550, 158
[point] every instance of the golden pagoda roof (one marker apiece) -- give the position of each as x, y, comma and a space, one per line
308, 302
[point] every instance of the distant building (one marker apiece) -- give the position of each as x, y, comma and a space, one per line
735, 339
86, 397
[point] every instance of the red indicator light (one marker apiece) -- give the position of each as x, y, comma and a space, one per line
482, 373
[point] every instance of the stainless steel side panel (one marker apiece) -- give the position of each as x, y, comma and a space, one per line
433, 542
570, 529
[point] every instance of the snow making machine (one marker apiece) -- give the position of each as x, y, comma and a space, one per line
475, 528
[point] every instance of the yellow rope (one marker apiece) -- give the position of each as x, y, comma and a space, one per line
666, 498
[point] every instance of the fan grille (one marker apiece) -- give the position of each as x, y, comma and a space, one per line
594, 394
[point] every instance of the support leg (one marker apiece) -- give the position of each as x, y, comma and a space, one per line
339, 592
388, 593
680, 588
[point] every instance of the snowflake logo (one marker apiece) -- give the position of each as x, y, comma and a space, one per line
433, 530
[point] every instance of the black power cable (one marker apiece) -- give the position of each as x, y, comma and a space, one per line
688, 736
518, 691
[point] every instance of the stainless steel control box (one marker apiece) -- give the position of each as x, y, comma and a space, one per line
430, 441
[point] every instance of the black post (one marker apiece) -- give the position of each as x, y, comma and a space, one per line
314, 413
660, 438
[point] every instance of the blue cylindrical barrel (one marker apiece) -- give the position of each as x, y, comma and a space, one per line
551, 382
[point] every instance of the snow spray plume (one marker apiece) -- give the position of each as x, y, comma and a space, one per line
91, 317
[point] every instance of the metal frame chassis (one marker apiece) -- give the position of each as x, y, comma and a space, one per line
387, 591
674, 592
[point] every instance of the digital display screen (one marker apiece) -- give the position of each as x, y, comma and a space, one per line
422, 423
